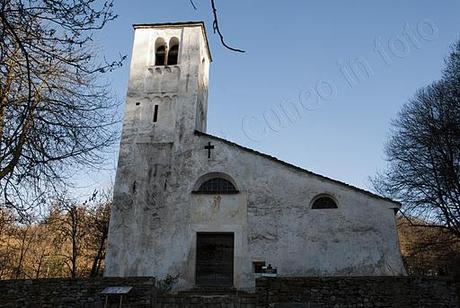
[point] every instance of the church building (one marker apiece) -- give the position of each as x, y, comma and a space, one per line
214, 213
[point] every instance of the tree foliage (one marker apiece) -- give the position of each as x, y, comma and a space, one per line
423, 152
428, 251
70, 241
56, 110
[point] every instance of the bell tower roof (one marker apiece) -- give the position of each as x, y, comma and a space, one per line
181, 24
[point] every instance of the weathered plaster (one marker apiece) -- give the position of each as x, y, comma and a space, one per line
156, 216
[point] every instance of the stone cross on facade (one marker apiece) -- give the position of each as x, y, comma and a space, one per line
209, 147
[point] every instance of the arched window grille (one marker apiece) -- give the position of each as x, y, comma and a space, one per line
324, 202
216, 186
173, 53
160, 52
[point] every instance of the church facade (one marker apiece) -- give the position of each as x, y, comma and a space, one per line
214, 213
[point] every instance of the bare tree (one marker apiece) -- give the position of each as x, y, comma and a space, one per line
7, 251
424, 153
69, 222
428, 251
69, 241
24, 236
56, 112
98, 224
37, 262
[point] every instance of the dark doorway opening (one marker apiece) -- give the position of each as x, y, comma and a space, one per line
214, 259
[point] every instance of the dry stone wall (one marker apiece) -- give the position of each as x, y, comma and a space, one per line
281, 292
70, 293
341, 292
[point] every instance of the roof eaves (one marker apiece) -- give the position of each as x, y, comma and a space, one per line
371, 194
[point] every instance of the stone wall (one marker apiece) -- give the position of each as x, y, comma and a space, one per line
69, 293
331, 292
340, 292
207, 301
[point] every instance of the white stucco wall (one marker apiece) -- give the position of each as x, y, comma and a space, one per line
358, 238
156, 217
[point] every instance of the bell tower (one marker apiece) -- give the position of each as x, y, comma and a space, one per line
168, 82
166, 102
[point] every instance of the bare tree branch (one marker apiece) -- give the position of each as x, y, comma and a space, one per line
56, 111
423, 153
193, 4
216, 27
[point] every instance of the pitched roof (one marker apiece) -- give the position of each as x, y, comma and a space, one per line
371, 194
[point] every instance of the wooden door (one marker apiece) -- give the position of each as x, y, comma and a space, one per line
214, 259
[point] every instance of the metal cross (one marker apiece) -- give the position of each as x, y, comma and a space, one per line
209, 147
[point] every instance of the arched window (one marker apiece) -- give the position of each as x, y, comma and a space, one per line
173, 53
323, 202
215, 183
160, 52
217, 186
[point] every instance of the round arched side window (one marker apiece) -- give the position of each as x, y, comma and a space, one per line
324, 202
160, 52
173, 53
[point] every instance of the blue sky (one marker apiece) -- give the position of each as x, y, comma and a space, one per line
312, 88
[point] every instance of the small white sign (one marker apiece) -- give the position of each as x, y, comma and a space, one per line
116, 290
